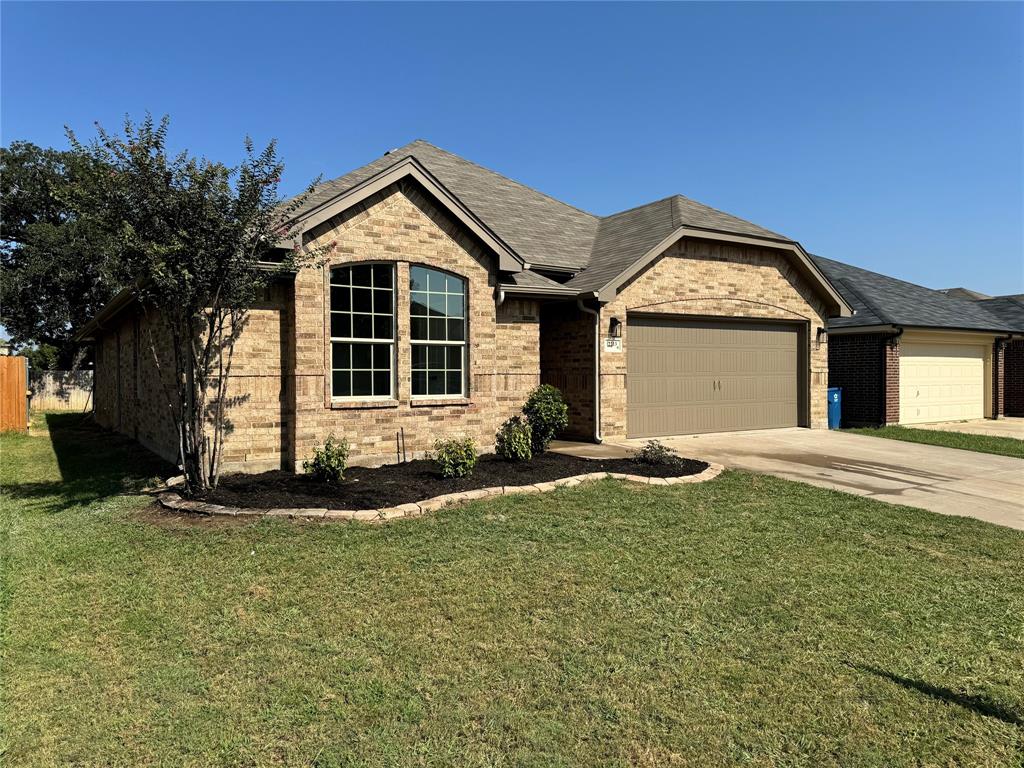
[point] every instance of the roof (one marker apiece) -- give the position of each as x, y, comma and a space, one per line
881, 300
1009, 309
545, 233
963, 293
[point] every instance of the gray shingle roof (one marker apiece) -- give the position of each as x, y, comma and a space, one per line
1009, 309
882, 300
544, 231
529, 280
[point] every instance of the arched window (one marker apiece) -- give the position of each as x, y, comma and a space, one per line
363, 331
437, 316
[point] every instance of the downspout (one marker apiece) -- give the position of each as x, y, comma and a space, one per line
597, 366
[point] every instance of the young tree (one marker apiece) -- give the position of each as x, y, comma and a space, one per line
53, 263
193, 240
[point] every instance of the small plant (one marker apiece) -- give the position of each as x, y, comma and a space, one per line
329, 460
548, 415
455, 458
514, 440
655, 453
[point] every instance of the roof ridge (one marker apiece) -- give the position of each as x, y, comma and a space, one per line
637, 207
503, 176
890, 277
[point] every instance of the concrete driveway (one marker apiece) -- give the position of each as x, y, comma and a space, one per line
1008, 426
944, 480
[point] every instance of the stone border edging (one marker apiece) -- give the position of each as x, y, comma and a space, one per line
417, 509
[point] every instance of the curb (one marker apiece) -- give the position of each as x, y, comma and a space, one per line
174, 501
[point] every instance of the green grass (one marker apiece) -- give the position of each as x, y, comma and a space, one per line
746, 621
1001, 446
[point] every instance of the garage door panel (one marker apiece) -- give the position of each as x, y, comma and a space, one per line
687, 376
941, 382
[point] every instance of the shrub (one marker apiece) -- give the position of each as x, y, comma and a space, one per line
455, 458
548, 415
329, 461
656, 453
514, 439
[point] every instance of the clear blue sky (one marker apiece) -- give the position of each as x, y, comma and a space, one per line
889, 136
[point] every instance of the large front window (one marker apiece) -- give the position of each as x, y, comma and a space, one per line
438, 332
362, 330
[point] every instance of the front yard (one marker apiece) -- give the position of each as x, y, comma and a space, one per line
747, 620
1001, 446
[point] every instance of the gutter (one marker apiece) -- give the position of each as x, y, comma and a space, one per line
597, 366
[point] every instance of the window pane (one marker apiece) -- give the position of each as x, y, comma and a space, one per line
381, 327
340, 276
362, 384
341, 355
382, 356
454, 383
456, 330
340, 298
453, 284
361, 356
436, 329
419, 356
340, 385
341, 325
418, 328
382, 301
435, 357
456, 306
435, 383
382, 275
435, 302
362, 300
419, 304
362, 327
381, 383
362, 275
417, 279
454, 357
419, 382
435, 281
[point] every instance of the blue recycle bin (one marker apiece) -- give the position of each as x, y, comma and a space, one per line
835, 407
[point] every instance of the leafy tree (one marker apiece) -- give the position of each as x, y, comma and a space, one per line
194, 240
53, 263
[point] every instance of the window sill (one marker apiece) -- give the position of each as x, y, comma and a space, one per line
438, 402
347, 405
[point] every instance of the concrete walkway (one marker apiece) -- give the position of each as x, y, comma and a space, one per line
944, 480
1008, 426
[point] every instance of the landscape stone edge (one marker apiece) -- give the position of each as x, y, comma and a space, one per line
171, 500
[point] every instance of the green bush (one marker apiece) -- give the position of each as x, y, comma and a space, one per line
455, 458
514, 440
548, 415
329, 461
655, 453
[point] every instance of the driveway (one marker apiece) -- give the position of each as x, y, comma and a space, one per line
944, 480
1008, 426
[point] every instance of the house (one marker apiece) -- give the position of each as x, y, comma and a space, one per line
452, 291
912, 355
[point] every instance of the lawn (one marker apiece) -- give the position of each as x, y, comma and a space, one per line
1001, 446
747, 620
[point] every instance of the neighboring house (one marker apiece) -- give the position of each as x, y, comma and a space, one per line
452, 291
912, 355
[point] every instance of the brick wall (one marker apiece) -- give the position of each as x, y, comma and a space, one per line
1013, 378
567, 362
891, 351
696, 277
998, 379
401, 225
867, 367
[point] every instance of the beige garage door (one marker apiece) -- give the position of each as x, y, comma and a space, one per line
941, 382
686, 376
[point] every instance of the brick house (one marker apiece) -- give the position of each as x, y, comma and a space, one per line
912, 355
452, 291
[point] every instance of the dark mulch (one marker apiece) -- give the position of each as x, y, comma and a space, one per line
365, 488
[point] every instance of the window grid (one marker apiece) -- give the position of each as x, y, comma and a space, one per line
438, 333
362, 317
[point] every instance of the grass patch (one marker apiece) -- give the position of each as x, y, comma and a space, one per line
746, 620
1001, 446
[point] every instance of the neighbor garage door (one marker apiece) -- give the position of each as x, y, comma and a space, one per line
941, 382
686, 376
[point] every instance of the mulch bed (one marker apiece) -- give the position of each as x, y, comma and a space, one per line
393, 484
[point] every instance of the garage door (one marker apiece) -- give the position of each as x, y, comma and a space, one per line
686, 376
941, 382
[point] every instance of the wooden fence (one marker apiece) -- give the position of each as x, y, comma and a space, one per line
61, 390
13, 393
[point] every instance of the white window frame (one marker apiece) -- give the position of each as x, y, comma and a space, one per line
463, 345
392, 372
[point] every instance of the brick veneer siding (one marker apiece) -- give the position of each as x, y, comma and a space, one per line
998, 379
401, 225
891, 351
567, 362
857, 364
709, 279
1013, 378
